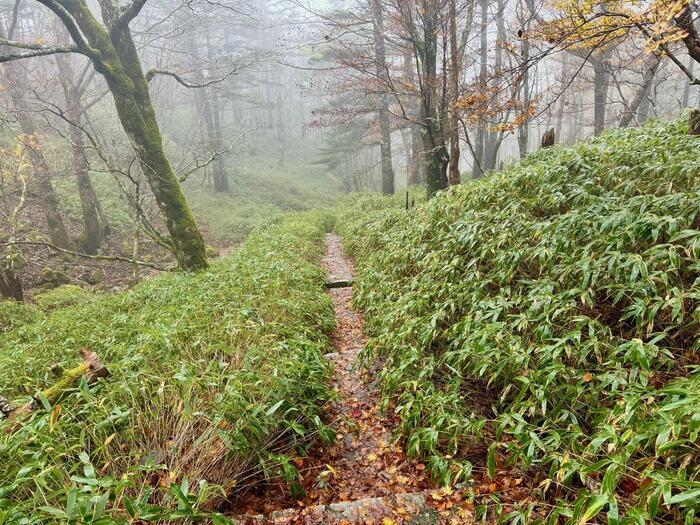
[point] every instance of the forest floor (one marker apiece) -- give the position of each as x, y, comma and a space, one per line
365, 461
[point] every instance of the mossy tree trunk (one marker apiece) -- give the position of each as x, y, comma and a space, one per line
114, 55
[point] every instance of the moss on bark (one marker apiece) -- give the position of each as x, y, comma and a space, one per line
114, 55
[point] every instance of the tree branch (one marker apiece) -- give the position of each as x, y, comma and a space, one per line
130, 12
184, 82
33, 50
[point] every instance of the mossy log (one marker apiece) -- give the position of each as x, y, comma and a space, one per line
91, 368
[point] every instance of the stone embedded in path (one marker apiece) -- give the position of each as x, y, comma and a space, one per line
340, 283
409, 509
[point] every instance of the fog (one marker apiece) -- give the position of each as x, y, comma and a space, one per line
181, 124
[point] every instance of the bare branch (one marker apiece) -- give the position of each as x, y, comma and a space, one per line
33, 50
186, 83
130, 12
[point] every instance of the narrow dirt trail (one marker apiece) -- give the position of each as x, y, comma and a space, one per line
364, 462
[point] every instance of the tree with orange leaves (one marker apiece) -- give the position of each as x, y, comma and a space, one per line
667, 27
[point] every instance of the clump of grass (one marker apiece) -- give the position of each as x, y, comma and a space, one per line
549, 316
61, 297
217, 380
14, 314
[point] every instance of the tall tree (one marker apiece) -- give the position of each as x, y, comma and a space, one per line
436, 156
32, 139
111, 48
383, 113
18, 86
94, 224
455, 72
480, 143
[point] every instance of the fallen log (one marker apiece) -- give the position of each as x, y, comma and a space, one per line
91, 368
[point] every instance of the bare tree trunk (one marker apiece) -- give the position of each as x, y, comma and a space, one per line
479, 143
493, 138
563, 101
524, 129
414, 159
601, 83
417, 173
93, 234
436, 156
685, 101
383, 77
221, 183
93, 229
639, 106
454, 176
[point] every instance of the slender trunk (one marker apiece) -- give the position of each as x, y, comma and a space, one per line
479, 143
685, 102
524, 130
212, 142
383, 80
221, 183
455, 176
92, 236
493, 137
601, 83
559, 131
417, 172
94, 223
414, 160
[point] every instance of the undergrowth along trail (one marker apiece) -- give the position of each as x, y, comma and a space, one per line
218, 382
548, 318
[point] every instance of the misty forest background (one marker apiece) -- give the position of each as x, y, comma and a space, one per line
276, 106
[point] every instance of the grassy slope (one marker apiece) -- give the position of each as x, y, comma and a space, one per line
549, 315
260, 190
215, 377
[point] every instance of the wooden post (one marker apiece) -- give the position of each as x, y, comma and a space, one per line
694, 121
548, 138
